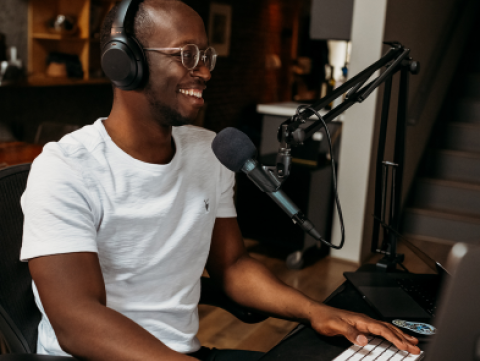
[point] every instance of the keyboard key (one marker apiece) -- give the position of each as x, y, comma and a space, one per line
377, 349
345, 355
412, 357
388, 354
399, 356
384, 357
360, 355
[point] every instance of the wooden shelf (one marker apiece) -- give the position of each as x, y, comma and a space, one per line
89, 14
51, 36
42, 80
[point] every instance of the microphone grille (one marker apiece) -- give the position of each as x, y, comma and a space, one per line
233, 148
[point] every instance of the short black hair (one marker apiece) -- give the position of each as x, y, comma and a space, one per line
137, 23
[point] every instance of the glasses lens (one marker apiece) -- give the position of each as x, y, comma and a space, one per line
190, 55
210, 58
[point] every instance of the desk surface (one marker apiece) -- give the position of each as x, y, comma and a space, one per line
305, 344
12, 153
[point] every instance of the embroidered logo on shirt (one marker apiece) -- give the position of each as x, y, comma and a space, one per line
207, 205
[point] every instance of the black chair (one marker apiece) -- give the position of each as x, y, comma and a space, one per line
19, 316
52, 132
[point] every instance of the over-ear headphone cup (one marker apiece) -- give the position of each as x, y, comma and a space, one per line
120, 65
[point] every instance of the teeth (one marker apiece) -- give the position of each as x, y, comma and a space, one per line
192, 92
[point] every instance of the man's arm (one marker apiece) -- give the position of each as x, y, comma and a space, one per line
249, 283
72, 291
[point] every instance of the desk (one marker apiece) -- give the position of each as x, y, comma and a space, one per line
12, 153
304, 344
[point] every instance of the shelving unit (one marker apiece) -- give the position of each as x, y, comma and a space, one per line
84, 43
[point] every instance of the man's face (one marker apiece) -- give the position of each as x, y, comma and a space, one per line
169, 81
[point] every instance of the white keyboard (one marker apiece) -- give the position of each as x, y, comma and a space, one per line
377, 349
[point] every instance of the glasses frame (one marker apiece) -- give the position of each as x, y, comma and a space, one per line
201, 55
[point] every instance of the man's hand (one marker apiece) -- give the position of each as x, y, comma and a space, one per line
330, 321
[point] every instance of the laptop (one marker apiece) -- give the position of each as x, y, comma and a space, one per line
458, 322
407, 296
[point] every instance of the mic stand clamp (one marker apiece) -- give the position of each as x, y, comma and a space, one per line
288, 137
284, 155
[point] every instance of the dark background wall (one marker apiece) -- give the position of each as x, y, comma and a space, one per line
239, 82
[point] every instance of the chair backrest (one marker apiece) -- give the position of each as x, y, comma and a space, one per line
19, 316
53, 132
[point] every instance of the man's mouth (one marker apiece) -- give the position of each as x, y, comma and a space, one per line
197, 93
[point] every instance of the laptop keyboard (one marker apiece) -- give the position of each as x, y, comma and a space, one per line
425, 294
377, 349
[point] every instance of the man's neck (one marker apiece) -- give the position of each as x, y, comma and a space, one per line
137, 134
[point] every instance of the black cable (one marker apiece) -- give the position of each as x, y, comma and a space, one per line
334, 177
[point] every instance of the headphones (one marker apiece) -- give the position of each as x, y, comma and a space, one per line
123, 59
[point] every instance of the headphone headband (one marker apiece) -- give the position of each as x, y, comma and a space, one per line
121, 14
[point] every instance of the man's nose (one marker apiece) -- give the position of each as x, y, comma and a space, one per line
202, 71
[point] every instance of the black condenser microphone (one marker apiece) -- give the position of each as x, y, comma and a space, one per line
235, 151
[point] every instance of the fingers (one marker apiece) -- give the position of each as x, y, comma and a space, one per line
412, 339
353, 335
394, 335
355, 327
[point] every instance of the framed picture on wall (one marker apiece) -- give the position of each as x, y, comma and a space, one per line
219, 28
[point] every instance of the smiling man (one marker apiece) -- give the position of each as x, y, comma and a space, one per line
122, 216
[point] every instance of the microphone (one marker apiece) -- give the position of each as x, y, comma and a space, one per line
235, 151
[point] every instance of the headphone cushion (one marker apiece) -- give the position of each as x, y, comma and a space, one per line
123, 63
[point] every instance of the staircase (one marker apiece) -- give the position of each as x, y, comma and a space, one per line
444, 206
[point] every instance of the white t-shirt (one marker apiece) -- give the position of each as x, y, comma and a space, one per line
150, 224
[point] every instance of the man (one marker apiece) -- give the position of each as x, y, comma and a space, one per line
122, 216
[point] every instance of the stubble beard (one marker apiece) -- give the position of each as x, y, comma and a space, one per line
164, 115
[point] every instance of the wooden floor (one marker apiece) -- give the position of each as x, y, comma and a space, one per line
220, 329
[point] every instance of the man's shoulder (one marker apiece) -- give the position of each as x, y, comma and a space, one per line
72, 148
85, 139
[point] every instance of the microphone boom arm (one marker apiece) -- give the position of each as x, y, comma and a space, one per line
290, 134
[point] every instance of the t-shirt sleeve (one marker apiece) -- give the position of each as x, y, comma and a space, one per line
58, 211
226, 207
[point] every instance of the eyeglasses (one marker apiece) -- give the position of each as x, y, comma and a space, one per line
191, 55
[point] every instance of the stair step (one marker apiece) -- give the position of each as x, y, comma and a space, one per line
468, 110
436, 248
453, 227
447, 195
463, 136
454, 165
